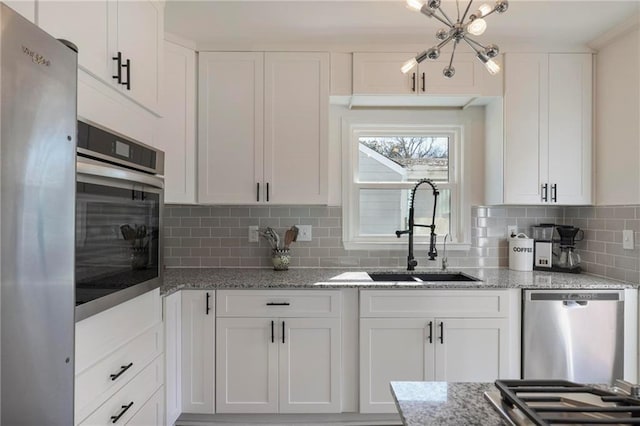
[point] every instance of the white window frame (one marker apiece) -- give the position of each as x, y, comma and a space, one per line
351, 133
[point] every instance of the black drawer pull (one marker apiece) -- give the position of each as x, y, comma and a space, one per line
122, 370
282, 331
430, 332
127, 83
118, 59
208, 308
441, 333
272, 334
278, 304
124, 410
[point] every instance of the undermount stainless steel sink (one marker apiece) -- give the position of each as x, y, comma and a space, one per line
421, 277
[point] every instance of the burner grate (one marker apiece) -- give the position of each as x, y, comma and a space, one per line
627, 410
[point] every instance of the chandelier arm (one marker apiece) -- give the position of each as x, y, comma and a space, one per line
476, 43
441, 20
453, 52
445, 16
466, 11
444, 42
458, 7
471, 45
492, 11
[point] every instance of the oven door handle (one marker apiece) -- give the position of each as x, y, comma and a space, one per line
95, 168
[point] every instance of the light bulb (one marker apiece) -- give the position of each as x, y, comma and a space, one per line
409, 65
483, 10
477, 27
492, 67
415, 5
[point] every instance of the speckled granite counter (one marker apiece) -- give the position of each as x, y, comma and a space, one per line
211, 279
442, 403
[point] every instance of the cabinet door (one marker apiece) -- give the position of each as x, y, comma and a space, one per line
173, 356
86, 24
296, 125
140, 33
309, 362
471, 350
379, 74
570, 112
231, 126
198, 339
247, 365
467, 80
526, 127
393, 349
176, 134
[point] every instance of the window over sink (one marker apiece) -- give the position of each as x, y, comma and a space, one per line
382, 164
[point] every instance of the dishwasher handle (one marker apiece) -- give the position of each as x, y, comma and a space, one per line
576, 296
574, 303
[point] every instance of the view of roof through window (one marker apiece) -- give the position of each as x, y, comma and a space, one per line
408, 157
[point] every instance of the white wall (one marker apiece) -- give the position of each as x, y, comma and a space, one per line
617, 118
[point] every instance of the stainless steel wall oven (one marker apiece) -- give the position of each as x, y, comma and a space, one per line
118, 219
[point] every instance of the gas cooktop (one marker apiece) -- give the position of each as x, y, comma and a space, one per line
552, 402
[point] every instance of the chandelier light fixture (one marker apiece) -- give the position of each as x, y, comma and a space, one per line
458, 31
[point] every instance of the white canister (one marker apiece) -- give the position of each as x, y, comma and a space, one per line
521, 253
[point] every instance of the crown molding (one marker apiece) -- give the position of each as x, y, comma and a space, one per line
622, 29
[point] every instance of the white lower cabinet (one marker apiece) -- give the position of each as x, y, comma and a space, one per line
198, 351
465, 342
173, 356
278, 364
120, 363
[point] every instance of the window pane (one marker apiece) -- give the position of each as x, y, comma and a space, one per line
384, 211
403, 158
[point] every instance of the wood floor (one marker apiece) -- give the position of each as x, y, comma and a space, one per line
348, 419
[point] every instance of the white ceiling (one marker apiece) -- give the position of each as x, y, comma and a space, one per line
385, 21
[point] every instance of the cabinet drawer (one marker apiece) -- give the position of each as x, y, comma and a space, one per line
438, 303
277, 303
104, 332
135, 393
95, 384
151, 413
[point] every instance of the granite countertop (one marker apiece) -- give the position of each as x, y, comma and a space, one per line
318, 278
443, 403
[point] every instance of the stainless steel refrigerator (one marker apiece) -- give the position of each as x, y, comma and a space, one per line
38, 83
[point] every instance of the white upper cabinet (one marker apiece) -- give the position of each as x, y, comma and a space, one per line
296, 125
102, 30
547, 146
263, 127
231, 120
176, 133
379, 74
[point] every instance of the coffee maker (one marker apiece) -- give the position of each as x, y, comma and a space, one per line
554, 248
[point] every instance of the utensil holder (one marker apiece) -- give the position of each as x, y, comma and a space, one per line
280, 259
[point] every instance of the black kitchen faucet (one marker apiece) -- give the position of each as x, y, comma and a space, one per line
433, 252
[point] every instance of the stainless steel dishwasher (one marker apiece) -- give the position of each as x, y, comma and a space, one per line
576, 335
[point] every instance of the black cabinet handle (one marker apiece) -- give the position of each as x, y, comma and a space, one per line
424, 87
118, 59
441, 332
125, 408
554, 193
413, 82
278, 304
267, 192
430, 332
544, 191
272, 335
123, 368
282, 331
208, 308
127, 83
258, 191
